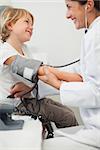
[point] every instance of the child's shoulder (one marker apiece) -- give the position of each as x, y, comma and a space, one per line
2, 47
6, 51
6, 45
6, 48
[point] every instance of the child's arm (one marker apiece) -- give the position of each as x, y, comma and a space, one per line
65, 76
9, 60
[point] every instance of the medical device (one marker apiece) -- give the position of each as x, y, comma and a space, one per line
27, 68
71, 63
6, 121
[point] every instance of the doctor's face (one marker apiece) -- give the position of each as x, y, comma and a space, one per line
76, 12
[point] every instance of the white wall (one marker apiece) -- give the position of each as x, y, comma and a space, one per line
53, 33
5, 2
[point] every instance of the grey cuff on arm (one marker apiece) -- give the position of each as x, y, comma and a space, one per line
27, 68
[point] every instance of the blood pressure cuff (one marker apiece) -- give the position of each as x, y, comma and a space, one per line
27, 68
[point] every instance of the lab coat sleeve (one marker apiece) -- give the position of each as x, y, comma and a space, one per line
79, 94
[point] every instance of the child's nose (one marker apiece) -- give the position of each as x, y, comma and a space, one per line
68, 15
31, 27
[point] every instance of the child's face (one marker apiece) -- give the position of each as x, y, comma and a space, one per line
22, 29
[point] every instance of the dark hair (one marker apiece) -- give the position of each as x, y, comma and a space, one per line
96, 3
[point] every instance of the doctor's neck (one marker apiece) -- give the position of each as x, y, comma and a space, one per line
92, 11
89, 20
91, 17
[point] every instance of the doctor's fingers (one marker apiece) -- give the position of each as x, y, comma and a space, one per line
48, 77
43, 78
51, 79
46, 70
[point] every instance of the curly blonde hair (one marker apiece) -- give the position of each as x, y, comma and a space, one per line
10, 14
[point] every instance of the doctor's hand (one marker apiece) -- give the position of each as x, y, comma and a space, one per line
50, 78
19, 89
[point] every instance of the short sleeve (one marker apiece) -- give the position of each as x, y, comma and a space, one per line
6, 51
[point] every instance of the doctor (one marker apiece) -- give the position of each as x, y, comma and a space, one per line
86, 93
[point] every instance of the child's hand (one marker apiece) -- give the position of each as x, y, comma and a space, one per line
19, 89
50, 78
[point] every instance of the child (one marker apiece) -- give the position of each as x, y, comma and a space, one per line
16, 26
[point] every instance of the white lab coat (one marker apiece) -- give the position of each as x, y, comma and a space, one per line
86, 94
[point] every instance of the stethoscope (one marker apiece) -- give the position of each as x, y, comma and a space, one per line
61, 66
46, 123
36, 83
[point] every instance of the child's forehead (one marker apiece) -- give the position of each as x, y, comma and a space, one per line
28, 16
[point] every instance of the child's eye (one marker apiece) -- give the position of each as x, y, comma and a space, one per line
27, 21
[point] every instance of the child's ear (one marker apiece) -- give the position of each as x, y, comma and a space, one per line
9, 25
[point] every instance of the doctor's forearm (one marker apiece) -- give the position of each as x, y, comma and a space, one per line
69, 77
66, 76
